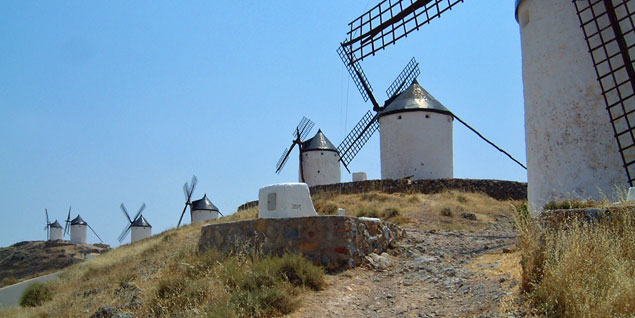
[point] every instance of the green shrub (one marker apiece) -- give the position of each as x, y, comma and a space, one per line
35, 295
369, 212
10, 280
570, 204
447, 212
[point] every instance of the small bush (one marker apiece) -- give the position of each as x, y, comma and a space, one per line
374, 197
570, 204
369, 212
35, 295
325, 208
447, 212
461, 199
8, 281
414, 199
390, 213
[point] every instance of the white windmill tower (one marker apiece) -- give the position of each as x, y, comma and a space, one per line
315, 166
203, 209
416, 129
416, 136
320, 161
78, 230
53, 230
138, 226
571, 149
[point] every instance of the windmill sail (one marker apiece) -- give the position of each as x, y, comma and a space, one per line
389, 21
404, 79
299, 133
358, 137
609, 31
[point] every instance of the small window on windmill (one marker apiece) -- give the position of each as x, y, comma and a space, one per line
427, 116
271, 201
399, 117
318, 171
321, 153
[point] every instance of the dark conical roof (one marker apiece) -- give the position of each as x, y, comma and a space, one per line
318, 142
203, 204
414, 98
141, 222
78, 221
56, 225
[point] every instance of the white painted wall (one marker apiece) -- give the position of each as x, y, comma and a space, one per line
285, 200
56, 234
359, 176
416, 143
571, 151
78, 234
320, 167
139, 233
203, 215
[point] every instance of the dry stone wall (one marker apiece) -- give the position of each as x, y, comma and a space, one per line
334, 242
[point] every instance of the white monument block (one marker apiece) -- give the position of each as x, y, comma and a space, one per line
285, 200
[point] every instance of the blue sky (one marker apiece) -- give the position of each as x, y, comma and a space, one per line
104, 102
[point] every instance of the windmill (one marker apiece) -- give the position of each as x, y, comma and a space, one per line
405, 81
126, 229
53, 230
188, 190
78, 230
299, 134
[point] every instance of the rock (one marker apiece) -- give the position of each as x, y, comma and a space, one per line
111, 312
378, 262
469, 216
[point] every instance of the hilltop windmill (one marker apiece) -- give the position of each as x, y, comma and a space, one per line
138, 225
575, 57
53, 230
188, 190
203, 209
416, 129
78, 231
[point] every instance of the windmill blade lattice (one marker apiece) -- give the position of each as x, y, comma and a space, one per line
356, 72
404, 79
357, 138
609, 29
91, 228
389, 21
299, 134
68, 221
188, 190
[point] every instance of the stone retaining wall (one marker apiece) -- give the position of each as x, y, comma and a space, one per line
335, 242
497, 189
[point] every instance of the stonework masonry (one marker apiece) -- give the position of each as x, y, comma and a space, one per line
335, 242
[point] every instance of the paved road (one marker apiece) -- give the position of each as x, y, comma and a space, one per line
10, 295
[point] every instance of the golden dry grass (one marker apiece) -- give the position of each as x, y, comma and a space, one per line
580, 269
422, 211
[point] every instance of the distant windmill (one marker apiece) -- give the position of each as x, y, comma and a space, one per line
139, 225
203, 209
187, 191
78, 231
299, 134
422, 141
53, 230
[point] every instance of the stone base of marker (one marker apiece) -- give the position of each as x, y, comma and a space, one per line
335, 242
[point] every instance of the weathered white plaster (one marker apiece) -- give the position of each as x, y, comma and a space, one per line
56, 233
417, 144
203, 215
320, 167
359, 176
139, 233
285, 200
78, 234
571, 151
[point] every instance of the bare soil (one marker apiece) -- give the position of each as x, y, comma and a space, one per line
433, 273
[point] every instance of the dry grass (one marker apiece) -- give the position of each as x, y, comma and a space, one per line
580, 269
441, 211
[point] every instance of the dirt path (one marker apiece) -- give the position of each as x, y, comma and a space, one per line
431, 274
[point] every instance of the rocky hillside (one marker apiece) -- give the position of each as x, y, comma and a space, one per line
458, 260
35, 258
